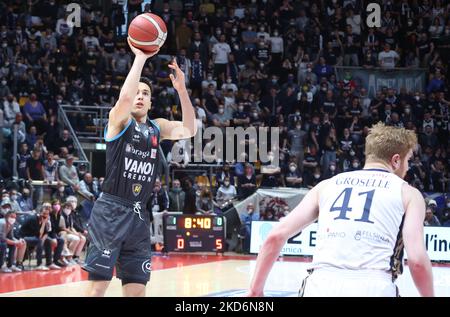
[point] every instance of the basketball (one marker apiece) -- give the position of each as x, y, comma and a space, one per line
147, 32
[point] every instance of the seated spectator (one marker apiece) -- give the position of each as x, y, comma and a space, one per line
204, 202
35, 113
10, 109
67, 142
223, 173
225, 194
54, 232
176, 196
331, 171
159, 201
25, 201
293, 177
16, 246
75, 240
35, 231
430, 218
14, 197
89, 187
246, 227
271, 173
247, 182
68, 173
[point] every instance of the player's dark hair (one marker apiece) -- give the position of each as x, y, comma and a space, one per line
146, 81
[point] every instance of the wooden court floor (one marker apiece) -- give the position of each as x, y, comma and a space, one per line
177, 275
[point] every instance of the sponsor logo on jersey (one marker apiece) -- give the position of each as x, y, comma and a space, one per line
129, 148
370, 236
106, 253
146, 266
153, 154
137, 189
138, 170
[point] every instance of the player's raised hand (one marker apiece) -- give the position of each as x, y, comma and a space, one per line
178, 80
138, 52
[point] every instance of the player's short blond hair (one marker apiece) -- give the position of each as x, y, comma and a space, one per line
383, 142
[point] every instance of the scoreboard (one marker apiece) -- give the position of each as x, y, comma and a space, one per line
190, 233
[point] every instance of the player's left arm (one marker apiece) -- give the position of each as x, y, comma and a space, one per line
175, 130
304, 214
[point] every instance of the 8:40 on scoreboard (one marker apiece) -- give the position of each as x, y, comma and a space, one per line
190, 233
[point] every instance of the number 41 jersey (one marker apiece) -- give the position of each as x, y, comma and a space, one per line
360, 222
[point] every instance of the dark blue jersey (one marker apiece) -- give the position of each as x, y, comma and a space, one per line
132, 161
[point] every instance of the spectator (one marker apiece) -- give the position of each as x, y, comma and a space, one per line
75, 240
35, 113
16, 246
35, 231
293, 177
176, 196
89, 187
246, 227
25, 201
68, 173
225, 194
10, 109
22, 157
36, 172
54, 232
190, 203
204, 202
388, 58
430, 218
220, 56
247, 182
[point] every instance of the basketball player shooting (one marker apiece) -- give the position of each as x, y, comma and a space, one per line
119, 227
364, 219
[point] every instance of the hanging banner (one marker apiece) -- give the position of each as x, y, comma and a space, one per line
375, 79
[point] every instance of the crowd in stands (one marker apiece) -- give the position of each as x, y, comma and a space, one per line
267, 63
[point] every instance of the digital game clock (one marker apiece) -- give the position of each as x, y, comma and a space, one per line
190, 233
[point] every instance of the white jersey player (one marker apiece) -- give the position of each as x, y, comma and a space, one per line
364, 219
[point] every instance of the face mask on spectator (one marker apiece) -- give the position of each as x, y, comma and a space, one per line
352, 153
407, 110
221, 110
4, 82
11, 221
14, 197
241, 108
4, 45
255, 115
332, 168
309, 69
61, 189
448, 204
229, 80
226, 184
67, 211
316, 176
417, 98
355, 165
57, 208
275, 34
167, 109
209, 78
292, 168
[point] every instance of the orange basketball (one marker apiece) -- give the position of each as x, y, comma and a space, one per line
147, 32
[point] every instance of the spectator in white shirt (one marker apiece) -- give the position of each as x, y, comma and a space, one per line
221, 52
388, 58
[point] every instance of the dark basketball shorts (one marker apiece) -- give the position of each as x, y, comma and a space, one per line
119, 233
